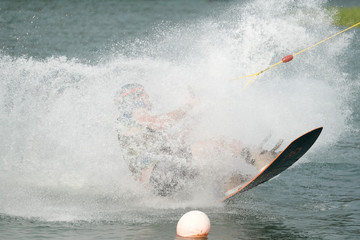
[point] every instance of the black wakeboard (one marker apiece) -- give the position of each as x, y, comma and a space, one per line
293, 152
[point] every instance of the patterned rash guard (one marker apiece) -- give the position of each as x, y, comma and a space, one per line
143, 146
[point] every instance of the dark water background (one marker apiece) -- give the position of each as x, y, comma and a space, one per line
58, 181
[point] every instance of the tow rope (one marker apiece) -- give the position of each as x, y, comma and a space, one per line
288, 58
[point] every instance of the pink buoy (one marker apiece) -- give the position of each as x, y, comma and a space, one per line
193, 224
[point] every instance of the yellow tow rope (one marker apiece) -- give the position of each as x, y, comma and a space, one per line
288, 58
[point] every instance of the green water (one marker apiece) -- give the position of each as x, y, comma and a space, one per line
61, 61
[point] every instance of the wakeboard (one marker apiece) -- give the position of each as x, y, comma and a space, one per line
293, 152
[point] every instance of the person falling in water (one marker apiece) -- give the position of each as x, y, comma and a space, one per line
158, 159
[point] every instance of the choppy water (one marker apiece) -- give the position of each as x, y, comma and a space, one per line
61, 62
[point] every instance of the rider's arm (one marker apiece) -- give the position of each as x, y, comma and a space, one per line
158, 122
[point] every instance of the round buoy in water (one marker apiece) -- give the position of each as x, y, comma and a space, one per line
193, 224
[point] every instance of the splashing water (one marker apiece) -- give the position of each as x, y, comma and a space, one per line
59, 154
